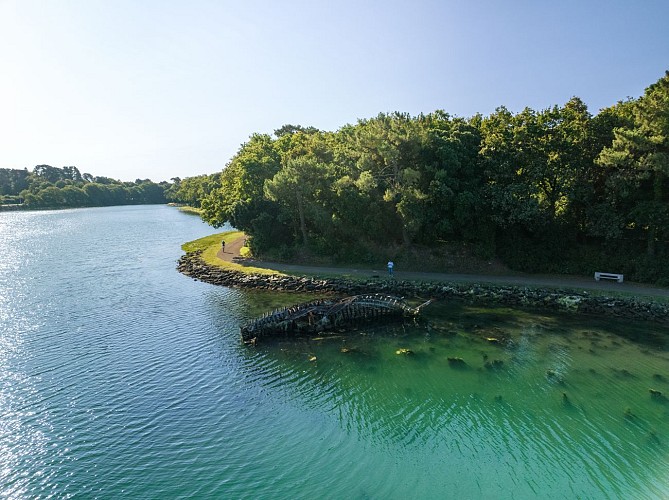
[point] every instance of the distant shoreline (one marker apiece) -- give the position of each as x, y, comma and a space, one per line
23, 208
13, 207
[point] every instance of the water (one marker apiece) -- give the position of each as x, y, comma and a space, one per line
119, 377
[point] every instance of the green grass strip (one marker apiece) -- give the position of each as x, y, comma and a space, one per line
210, 245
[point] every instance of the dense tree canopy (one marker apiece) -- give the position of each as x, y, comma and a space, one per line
53, 187
638, 163
555, 190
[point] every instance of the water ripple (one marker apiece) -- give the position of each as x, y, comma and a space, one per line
121, 378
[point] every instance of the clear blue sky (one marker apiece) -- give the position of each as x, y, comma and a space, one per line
160, 88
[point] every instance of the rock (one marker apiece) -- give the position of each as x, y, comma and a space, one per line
456, 362
193, 266
554, 377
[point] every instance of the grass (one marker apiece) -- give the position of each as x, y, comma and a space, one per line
190, 210
210, 245
187, 209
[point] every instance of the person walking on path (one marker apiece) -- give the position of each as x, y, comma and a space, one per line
229, 249
390, 267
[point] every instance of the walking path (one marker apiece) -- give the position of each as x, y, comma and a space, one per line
578, 283
231, 250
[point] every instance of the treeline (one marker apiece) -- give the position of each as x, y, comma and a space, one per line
192, 190
557, 190
66, 187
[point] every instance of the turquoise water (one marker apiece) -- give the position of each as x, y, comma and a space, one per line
119, 377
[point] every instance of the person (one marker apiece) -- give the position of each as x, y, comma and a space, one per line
223, 245
390, 267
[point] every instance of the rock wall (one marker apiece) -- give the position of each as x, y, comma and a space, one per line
555, 299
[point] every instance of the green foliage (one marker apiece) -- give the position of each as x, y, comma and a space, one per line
557, 190
534, 163
52, 187
209, 247
192, 190
638, 160
241, 184
12, 182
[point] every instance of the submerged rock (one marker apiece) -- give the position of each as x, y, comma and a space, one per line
657, 395
554, 377
623, 373
456, 362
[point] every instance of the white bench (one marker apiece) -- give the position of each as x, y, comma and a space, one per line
609, 276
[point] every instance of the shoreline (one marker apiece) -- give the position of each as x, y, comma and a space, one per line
558, 300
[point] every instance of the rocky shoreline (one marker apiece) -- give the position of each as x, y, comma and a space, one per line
565, 300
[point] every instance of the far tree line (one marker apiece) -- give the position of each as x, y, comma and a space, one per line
556, 190
53, 187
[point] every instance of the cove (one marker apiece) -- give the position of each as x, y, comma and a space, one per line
120, 376
556, 403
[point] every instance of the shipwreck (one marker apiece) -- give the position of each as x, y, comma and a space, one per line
328, 315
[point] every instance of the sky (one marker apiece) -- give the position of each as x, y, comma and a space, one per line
137, 89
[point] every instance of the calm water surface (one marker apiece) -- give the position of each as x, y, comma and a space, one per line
119, 377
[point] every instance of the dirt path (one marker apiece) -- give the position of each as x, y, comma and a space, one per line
231, 250
577, 283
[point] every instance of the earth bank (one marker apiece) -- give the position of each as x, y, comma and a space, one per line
193, 265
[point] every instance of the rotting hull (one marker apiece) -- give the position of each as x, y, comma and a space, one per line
327, 315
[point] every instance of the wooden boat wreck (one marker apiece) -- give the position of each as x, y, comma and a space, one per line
325, 315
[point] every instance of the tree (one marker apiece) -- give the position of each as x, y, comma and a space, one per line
74, 196
48, 173
192, 190
639, 159
297, 187
72, 173
51, 197
242, 184
452, 180
293, 129
388, 148
12, 181
534, 161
